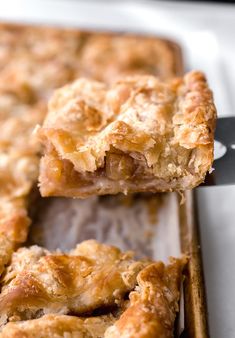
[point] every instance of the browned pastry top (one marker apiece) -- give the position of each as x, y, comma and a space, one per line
41, 290
56, 326
153, 305
89, 277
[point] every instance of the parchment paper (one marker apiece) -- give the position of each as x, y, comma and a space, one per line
147, 224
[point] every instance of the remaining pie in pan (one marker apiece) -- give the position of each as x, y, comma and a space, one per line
32, 65
129, 298
33, 62
138, 134
106, 58
19, 162
89, 277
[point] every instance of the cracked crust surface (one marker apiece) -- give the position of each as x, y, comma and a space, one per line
138, 134
33, 62
42, 289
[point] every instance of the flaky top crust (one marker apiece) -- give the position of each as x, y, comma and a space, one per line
56, 326
91, 276
153, 305
140, 298
168, 127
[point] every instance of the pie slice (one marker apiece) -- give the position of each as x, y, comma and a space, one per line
139, 134
87, 278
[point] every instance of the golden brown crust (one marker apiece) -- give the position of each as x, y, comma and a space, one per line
149, 312
56, 326
138, 134
87, 278
33, 62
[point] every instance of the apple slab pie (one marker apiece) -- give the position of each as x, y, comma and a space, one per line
33, 62
137, 134
95, 290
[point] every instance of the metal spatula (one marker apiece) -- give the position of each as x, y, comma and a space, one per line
224, 164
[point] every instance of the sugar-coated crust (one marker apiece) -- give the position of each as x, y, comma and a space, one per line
138, 134
56, 326
33, 62
91, 276
140, 298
